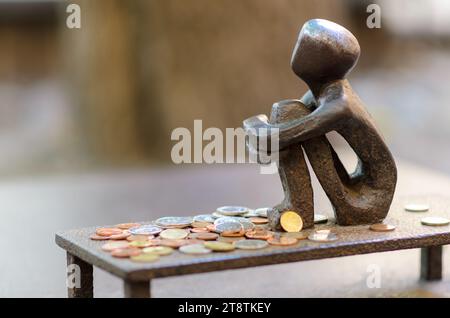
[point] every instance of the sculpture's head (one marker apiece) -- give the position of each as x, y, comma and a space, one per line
325, 51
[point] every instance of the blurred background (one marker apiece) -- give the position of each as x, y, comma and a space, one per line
86, 114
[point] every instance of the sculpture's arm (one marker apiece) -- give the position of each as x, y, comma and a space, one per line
321, 121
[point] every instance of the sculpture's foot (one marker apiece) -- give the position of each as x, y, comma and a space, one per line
275, 213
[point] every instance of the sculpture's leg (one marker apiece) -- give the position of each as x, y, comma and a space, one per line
296, 183
431, 263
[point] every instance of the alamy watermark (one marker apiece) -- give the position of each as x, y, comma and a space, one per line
73, 279
373, 279
73, 20
236, 145
373, 21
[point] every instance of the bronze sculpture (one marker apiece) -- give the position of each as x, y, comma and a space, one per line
324, 54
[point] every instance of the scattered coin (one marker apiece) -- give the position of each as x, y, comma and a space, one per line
232, 210
259, 234
233, 233
122, 236
96, 237
107, 231
323, 236
197, 225
251, 244
413, 207
205, 236
173, 243
262, 212
282, 240
126, 252
148, 229
291, 221
226, 219
435, 221
217, 215
320, 218
250, 214
195, 249
139, 238
211, 228
229, 227
140, 243
382, 227
174, 234
259, 220
247, 225
298, 235
108, 247
206, 218
200, 230
159, 250
230, 239
174, 221
127, 226
219, 246
145, 258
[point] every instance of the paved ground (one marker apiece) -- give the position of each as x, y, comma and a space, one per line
33, 209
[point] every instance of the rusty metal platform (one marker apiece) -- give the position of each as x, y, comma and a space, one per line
353, 240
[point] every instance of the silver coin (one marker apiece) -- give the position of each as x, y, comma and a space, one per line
413, 207
148, 229
225, 219
229, 227
320, 218
251, 244
247, 224
250, 214
174, 221
208, 218
322, 236
194, 249
262, 212
232, 210
435, 221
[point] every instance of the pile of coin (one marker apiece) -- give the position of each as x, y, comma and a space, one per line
226, 229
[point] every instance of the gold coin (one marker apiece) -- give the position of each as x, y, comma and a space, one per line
145, 258
282, 240
140, 244
127, 226
230, 239
251, 244
198, 224
291, 221
435, 221
382, 227
139, 238
298, 235
219, 246
159, 250
413, 207
174, 234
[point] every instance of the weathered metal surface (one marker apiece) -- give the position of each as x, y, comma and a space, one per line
431, 263
86, 278
324, 54
353, 240
140, 289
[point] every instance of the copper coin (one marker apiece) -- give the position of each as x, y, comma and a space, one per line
96, 237
126, 252
107, 231
282, 240
200, 230
211, 228
382, 227
259, 234
259, 220
122, 236
173, 243
233, 233
139, 238
110, 246
205, 236
126, 226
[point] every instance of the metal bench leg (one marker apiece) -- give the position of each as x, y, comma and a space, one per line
431, 263
80, 279
136, 289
